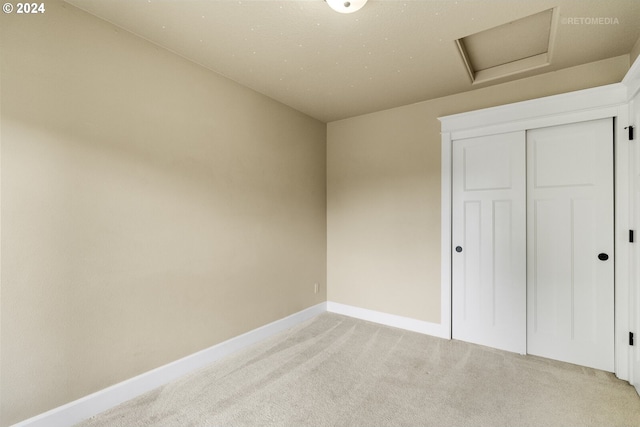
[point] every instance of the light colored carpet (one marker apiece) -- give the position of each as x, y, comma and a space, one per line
338, 371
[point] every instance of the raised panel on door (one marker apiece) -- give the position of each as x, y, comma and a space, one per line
570, 291
488, 260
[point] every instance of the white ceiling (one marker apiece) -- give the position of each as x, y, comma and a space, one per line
390, 53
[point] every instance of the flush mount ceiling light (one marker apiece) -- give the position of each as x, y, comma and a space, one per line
346, 6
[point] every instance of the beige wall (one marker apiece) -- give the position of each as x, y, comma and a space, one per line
635, 52
383, 187
150, 208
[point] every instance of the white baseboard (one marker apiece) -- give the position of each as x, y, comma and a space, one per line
401, 322
93, 404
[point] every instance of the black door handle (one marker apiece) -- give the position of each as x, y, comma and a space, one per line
603, 256
458, 249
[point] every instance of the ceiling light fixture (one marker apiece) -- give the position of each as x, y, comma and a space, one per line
346, 6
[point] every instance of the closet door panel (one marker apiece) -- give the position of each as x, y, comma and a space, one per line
488, 259
569, 229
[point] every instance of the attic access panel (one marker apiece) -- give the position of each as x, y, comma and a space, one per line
515, 47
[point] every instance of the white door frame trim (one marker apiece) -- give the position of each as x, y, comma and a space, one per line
589, 104
632, 82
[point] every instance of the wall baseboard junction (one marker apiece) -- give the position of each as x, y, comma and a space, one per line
396, 321
100, 401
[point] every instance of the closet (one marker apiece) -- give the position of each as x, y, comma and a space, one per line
532, 235
540, 218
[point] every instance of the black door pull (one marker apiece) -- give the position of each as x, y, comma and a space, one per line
458, 249
603, 257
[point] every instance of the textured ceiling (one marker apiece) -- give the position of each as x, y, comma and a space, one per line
391, 53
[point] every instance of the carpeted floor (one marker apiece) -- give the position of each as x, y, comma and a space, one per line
338, 371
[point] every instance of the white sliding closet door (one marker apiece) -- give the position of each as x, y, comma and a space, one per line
489, 241
570, 286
